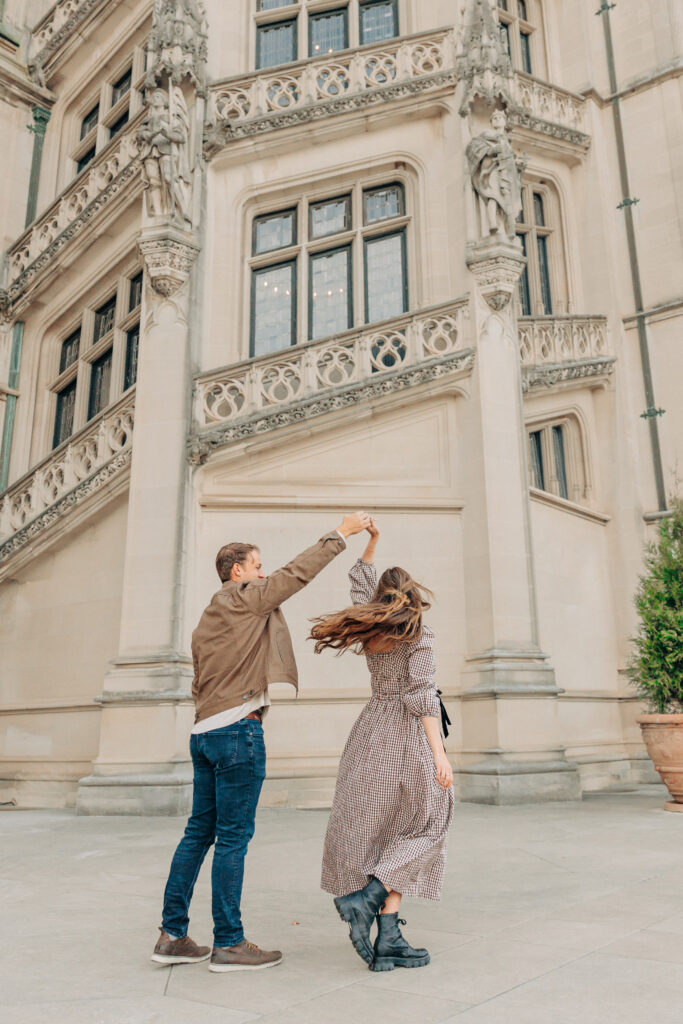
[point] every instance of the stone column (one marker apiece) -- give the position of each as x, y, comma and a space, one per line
512, 751
142, 765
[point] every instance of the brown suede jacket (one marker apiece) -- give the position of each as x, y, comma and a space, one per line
242, 642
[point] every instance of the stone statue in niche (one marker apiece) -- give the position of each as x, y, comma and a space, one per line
164, 139
496, 173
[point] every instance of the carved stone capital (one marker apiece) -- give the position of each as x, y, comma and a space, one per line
496, 269
168, 256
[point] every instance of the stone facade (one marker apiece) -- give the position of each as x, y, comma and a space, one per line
509, 265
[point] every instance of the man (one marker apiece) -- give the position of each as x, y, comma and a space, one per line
241, 644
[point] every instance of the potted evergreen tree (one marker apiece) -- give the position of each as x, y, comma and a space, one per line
656, 667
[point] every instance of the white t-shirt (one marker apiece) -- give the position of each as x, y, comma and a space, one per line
232, 715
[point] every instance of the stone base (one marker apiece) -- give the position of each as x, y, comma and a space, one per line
309, 794
519, 782
33, 794
148, 793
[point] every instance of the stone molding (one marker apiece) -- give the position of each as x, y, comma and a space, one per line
72, 212
59, 24
89, 463
201, 446
168, 256
535, 378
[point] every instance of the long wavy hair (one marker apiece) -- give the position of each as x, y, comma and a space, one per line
393, 614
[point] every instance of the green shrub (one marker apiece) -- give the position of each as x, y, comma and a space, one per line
656, 668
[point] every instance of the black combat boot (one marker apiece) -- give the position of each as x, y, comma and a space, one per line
359, 909
391, 949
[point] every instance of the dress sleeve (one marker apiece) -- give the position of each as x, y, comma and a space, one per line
363, 579
420, 696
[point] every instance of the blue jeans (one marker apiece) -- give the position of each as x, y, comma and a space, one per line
229, 769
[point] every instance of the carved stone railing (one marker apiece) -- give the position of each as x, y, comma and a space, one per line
333, 84
72, 211
70, 474
308, 380
60, 22
560, 348
549, 110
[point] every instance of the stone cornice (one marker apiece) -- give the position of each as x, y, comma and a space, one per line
202, 445
520, 118
535, 378
58, 26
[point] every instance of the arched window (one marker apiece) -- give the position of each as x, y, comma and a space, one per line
98, 359
543, 284
520, 23
557, 460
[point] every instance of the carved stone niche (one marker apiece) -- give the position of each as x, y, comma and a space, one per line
168, 256
497, 269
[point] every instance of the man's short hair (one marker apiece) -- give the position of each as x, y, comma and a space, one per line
229, 555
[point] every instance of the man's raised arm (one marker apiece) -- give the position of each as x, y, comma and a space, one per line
262, 596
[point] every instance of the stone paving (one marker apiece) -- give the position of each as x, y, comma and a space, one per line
560, 913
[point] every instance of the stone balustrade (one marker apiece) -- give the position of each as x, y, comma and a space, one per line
332, 84
561, 339
73, 210
62, 481
261, 385
60, 22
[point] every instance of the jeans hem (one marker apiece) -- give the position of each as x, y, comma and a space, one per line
225, 945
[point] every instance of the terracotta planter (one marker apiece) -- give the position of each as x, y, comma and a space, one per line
663, 737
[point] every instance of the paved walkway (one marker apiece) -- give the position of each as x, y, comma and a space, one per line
561, 913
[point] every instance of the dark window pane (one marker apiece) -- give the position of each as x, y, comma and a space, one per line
539, 210
503, 4
525, 40
523, 286
135, 296
544, 272
100, 383
521, 9
90, 120
120, 123
330, 293
378, 21
69, 353
330, 217
560, 463
132, 343
64, 417
273, 324
536, 460
382, 203
270, 5
505, 30
386, 292
275, 231
121, 87
104, 319
275, 44
86, 159
327, 32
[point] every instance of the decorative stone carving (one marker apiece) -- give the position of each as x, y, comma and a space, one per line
58, 25
496, 173
177, 45
536, 378
497, 271
168, 259
483, 63
201, 446
164, 140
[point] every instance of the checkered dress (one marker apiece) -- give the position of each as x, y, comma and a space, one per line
390, 817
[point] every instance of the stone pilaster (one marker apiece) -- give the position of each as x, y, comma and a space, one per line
510, 688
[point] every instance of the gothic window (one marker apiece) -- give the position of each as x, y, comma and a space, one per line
557, 462
98, 359
107, 108
327, 264
286, 30
519, 22
542, 287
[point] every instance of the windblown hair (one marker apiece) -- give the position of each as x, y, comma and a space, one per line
394, 613
232, 554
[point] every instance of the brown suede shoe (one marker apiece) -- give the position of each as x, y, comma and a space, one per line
178, 951
245, 956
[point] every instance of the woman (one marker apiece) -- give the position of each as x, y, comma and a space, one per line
393, 803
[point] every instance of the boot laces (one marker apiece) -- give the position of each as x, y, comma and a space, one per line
251, 945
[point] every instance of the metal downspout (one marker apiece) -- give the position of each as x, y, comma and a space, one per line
627, 204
